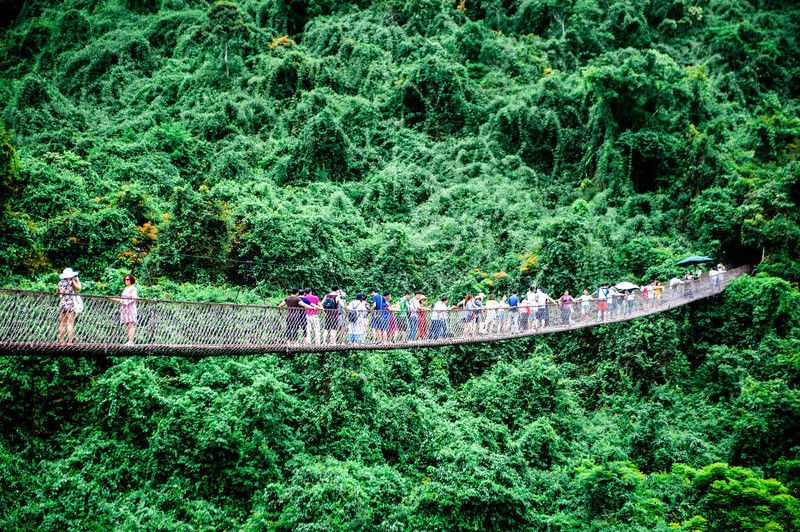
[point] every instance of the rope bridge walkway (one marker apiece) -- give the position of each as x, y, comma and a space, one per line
29, 324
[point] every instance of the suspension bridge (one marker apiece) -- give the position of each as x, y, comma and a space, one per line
29, 324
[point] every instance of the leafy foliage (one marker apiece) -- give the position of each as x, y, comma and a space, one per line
226, 150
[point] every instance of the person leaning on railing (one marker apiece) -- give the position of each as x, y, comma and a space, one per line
439, 319
295, 315
357, 318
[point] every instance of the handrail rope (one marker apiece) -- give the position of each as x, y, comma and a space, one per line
29, 323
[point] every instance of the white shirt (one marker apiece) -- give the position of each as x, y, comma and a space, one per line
360, 325
413, 306
440, 311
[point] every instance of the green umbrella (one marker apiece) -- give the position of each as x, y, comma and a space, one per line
693, 259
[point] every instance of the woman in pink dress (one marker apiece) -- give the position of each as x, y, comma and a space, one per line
127, 311
393, 331
422, 327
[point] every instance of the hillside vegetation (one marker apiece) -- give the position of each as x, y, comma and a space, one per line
225, 150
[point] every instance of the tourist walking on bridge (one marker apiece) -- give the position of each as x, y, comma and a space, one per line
542, 316
524, 314
491, 323
630, 300
312, 317
513, 312
394, 333
380, 315
127, 311
67, 305
468, 314
357, 318
333, 306
422, 318
650, 294
401, 318
439, 320
295, 317
413, 305
566, 307
613, 301
585, 300
502, 315
602, 301
687, 285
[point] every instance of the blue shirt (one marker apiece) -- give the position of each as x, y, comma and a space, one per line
513, 301
380, 302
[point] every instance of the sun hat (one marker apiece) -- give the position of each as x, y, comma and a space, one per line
68, 273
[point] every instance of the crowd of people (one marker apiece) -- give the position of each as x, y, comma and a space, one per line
380, 319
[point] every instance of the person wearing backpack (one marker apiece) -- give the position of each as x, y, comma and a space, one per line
332, 306
357, 318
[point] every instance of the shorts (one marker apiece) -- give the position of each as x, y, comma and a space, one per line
602, 306
541, 313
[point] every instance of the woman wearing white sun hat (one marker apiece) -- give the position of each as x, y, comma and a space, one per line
67, 287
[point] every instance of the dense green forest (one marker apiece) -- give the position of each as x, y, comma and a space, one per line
229, 150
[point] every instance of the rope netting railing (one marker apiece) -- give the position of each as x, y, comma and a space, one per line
29, 324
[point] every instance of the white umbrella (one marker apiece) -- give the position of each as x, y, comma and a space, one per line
625, 285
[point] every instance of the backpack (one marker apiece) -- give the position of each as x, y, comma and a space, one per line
329, 303
352, 314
